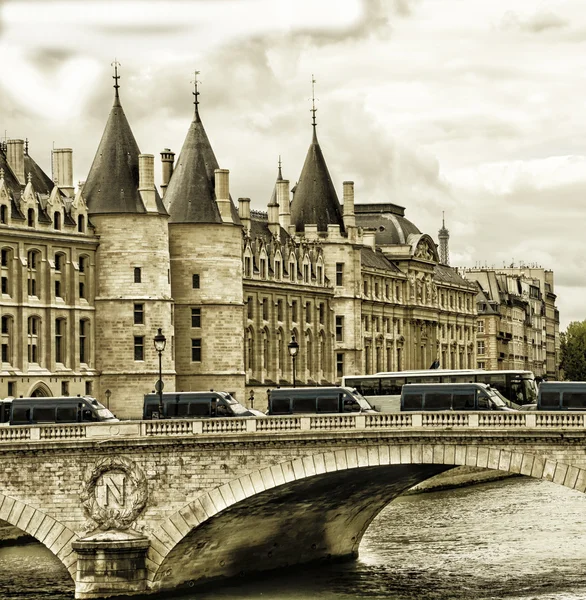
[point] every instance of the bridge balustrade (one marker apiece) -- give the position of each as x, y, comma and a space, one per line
294, 424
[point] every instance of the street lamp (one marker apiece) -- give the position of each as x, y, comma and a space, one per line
160, 343
293, 347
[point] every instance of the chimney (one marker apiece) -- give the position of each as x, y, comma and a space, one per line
369, 238
349, 216
223, 194
284, 204
167, 160
244, 213
62, 162
146, 181
273, 214
15, 157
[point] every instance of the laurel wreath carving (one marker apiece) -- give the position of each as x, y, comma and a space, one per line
115, 518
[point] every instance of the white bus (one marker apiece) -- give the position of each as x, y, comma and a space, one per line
383, 390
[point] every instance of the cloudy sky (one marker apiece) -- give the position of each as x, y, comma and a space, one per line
474, 108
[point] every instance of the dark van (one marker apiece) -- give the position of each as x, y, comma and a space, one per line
562, 395
70, 409
451, 396
291, 401
193, 405
5, 410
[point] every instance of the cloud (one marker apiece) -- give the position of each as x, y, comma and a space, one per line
538, 22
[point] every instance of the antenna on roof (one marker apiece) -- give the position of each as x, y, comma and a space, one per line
195, 92
116, 77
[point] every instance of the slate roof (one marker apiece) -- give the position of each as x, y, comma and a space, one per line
191, 193
391, 228
377, 260
451, 275
112, 183
315, 200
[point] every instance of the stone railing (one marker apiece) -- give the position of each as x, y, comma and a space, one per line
296, 424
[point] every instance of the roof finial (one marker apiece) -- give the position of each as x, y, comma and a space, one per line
195, 92
26, 146
313, 109
280, 174
443, 219
116, 77
30, 177
1, 173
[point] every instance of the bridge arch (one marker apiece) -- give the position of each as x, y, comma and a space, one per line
417, 462
45, 529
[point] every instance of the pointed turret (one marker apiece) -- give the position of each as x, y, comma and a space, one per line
190, 194
315, 200
113, 181
444, 238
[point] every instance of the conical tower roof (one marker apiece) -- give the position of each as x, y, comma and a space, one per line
190, 195
112, 183
315, 200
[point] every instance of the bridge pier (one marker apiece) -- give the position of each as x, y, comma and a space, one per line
111, 563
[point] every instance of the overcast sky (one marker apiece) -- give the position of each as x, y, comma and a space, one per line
470, 107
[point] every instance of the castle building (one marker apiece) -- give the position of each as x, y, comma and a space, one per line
518, 322
89, 276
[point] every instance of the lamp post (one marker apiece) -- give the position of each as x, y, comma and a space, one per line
108, 393
160, 342
293, 347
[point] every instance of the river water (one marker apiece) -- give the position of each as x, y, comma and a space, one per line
518, 539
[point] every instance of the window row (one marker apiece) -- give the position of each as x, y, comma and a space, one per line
377, 290
307, 311
389, 325
305, 276
31, 219
139, 348
35, 339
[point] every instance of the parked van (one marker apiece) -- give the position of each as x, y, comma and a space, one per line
451, 396
288, 401
562, 395
5, 411
70, 409
193, 405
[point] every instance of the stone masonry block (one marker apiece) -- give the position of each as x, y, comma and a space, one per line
180, 524
352, 458
362, 455
571, 476
504, 460
309, 466
208, 506
341, 461
320, 465
538, 465
516, 461
438, 454
416, 454
330, 462
526, 464
373, 456
471, 456
549, 470
217, 499
427, 454
267, 478
237, 490
560, 473
482, 457
189, 517
580, 484
277, 474
406, 455
227, 494
449, 454
247, 486
494, 456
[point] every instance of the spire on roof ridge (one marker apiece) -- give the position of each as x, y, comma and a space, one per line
313, 109
280, 175
195, 95
116, 77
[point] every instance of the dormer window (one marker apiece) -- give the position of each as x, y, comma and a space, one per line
57, 220
31, 217
3, 214
81, 223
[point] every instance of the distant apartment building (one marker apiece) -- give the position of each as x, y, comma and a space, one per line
518, 322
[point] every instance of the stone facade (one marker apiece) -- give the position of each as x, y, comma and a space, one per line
518, 322
89, 278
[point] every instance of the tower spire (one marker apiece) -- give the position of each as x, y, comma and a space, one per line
313, 109
444, 237
195, 93
116, 77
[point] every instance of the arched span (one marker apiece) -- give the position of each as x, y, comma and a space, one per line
46, 530
313, 508
40, 390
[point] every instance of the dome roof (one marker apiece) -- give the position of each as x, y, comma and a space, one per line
387, 220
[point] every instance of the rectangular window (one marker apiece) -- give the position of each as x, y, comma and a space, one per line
322, 313
82, 342
5, 357
5, 285
250, 307
339, 364
139, 314
82, 267
480, 326
480, 349
247, 266
88, 388
279, 310
339, 274
4, 258
195, 281
196, 350
81, 289
137, 274
265, 309
58, 341
65, 388
294, 311
12, 388
138, 347
57, 289
308, 313
57, 262
339, 329
196, 317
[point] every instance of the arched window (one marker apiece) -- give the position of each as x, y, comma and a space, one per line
57, 220
137, 275
83, 277
33, 267
31, 217
6, 334
84, 327
81, 223
59, 275
60, 337
249, 350
265, 350
34, 337
6, 270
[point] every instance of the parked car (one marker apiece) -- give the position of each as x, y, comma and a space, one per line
287, 401
66, 409
562, 395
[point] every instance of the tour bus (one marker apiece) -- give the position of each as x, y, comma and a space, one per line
192, 405
451, 396
70, 409
320, 400
383, 390
562, 395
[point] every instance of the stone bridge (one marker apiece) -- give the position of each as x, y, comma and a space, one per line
144, 506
